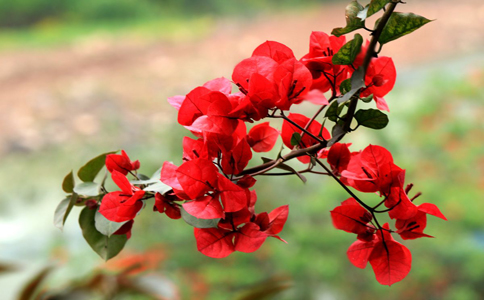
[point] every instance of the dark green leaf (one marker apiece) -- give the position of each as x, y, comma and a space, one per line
295, 139
367, 99
352, 20
63, 209
334, 110
401, 24
357, 82
87, 188
337, 132
345, 86
196, 222
347, 54
68, 183
104, 246
89, 171
375, 6
371, 118
105, 226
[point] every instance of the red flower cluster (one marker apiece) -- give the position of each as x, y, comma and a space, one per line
380, 76
372, 170
213, 182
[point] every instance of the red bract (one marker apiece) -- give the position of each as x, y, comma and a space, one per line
121, 163
289, 129
339, 157
166, 205
125, 229
294, 81
122, 206
275, 50
214, 242
370, 169
379, 80
319, 61
351, 217
390, 260
234, 161
261, 65
197, 177
413, 228
205, 207
262, 137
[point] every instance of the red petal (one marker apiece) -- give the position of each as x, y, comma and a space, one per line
204, 208
391, 262
197, 177
431, 209
277, 219
122, 182
234, 198
263, 137
351, 218
168, 175
115, 209
219, 84
359, 253
249, 238
214, 242
194, 106
262, 65
275, 50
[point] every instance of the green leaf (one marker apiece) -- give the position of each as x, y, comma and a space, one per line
89, 171
158, 187
347, 54
334, 110
63, 210
196, 222
87, 188
288, 168
105, 226
295, 139
104, 246
345, 86
68, 183
371, 118
357, 82
336, 134
375, 6
401, 24
367, 99
352, 20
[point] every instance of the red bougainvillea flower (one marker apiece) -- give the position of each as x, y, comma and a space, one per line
390, 260
338, 157
315, 128
242, 231
350, 216
413, 228
123, 205
379, 80
165, 204
319, 61
369, 170
262, 137
121, 163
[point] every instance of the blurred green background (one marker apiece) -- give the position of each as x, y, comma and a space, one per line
78, 78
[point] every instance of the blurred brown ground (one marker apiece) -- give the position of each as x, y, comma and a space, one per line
47, 96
